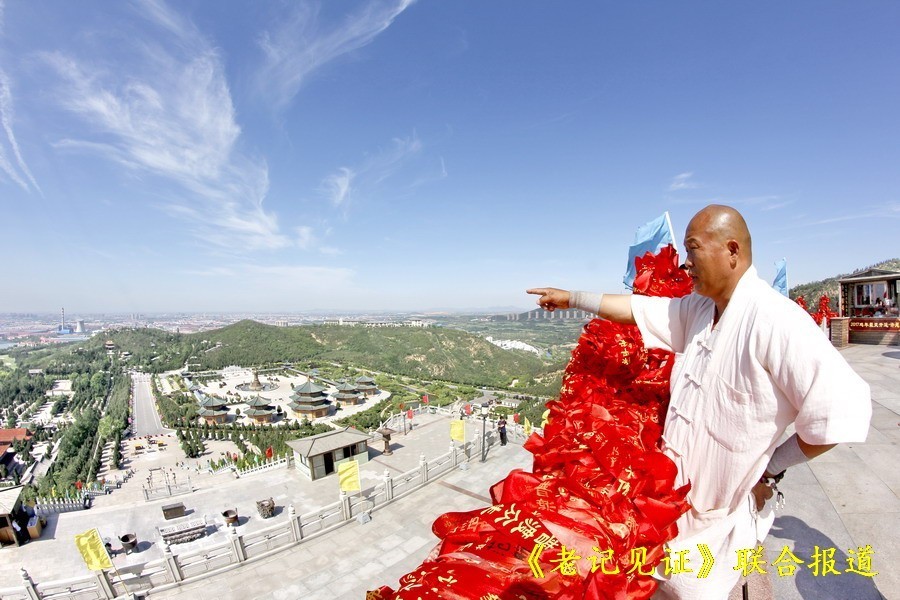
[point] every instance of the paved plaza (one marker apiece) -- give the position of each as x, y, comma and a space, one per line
846, 499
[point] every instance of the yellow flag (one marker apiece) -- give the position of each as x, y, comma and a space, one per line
545, 418
348, 475
92, 550
458, 430
527, 427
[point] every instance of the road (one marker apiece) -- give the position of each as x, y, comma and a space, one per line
146, 418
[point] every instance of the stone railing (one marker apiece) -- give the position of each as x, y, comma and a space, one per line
268, 465
172, 570
47, 506
226, 467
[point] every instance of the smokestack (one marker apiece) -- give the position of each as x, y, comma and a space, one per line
63, 324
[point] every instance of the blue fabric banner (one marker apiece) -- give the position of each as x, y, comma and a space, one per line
781, 282
650, 237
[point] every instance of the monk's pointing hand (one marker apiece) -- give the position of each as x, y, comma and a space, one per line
551, 298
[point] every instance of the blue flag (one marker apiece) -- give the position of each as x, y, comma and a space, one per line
650, 237
780, 282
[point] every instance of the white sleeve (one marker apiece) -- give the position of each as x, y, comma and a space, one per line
833, 402
661, 321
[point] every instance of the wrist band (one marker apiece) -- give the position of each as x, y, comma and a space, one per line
786, 455
587, 301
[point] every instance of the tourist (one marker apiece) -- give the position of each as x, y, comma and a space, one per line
501, 428
748, 362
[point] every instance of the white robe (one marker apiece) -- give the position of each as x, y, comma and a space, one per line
736, 386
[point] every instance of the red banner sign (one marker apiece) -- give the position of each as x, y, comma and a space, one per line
875, 325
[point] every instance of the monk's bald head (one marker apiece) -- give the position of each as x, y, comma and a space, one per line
717, 252
724, 224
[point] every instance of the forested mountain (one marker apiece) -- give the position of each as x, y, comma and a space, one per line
424, 353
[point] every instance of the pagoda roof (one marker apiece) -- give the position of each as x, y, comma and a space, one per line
206, 412
210, 402
365, 379
258, 412
258, 402
345, 395
343, 386
309, 388
301, 406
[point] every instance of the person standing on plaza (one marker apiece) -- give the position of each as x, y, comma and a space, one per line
501, 428
748, 363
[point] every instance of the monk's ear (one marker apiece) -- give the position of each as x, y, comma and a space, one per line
734, 250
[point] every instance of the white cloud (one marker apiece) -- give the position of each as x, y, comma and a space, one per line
337, 186
171, 115
19, 172
889, 210
682, 182
347, 183
296, 47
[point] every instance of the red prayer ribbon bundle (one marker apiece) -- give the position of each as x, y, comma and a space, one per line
591, 520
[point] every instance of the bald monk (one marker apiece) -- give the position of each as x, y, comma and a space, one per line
748, 363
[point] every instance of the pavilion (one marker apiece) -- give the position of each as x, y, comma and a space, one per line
260, 410
347, 393
309, 400
212, 410
366, 386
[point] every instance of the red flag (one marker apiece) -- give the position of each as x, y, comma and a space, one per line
516, 418
468, 409
401, 406
269, 452
409, 414
425, 398
78, 485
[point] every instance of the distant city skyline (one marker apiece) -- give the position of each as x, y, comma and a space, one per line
410, 156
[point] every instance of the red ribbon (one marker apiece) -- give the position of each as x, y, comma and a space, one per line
599, 481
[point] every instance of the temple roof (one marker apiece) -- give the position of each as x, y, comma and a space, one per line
343, 386
365, 379
258, 402
210, 402
299, 406
309, 388
258, 412
327, 442
206, 412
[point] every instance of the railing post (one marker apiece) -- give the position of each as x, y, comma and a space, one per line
296, 526
29, 586
345, 506
453, 459
388, 486
171, 564
423, 468
237, 545
103, 584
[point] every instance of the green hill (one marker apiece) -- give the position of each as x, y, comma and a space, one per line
814, 290
424, 353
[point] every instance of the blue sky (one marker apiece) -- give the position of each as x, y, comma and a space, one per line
401, 155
